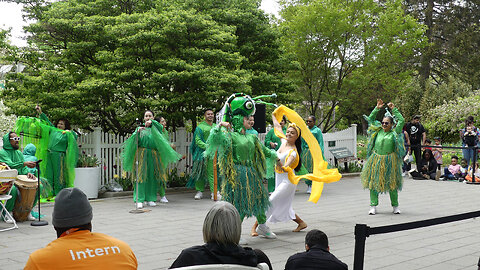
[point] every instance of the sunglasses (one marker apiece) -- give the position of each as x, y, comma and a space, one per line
17, 139
385, 123
308, 121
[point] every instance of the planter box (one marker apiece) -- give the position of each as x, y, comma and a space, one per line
88, 180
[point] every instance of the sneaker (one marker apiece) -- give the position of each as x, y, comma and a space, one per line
242, 241
437, 175
396, 210
139, 205
265, 231
373, 210
198, 196
8, 220
427, 177
219, 197
309, 189
31, 217
163, 199
152, 204
403, 174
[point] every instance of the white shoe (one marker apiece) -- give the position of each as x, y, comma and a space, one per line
309, 189
219, 197
8, 220
198, 196
264, 230
139, 205
30, 217
152, 204
403, 174
163, 199
396, 210
373, 210
242, 241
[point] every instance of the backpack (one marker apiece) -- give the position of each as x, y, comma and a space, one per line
471, 140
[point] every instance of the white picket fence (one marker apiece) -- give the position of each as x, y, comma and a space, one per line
107, 147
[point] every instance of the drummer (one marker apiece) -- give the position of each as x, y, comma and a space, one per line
13, 157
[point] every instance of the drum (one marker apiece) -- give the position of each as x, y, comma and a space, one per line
6, 175
27, 189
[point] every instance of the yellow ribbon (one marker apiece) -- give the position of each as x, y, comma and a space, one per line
320, 173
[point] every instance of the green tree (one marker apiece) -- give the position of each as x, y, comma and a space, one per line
105, 62
349, 53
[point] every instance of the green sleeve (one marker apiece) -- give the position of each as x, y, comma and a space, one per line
129, 151
45, 118
319, 137
373, 115
157, 125
200, 143
400, 120
268, 138
17, 165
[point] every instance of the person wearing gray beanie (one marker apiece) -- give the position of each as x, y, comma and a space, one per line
76, 246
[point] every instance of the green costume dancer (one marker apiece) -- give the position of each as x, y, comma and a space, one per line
162, 184
242, 162
383, 170
273, 142
202, 167
13, 157
57, 148
154, 155
307, 160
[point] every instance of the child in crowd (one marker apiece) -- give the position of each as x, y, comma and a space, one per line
428, 142
453, 170
463, 168
437, 152
468, 177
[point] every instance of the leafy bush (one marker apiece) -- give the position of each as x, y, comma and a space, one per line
175, 179
446, 120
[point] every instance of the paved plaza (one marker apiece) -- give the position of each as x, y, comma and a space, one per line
157, 237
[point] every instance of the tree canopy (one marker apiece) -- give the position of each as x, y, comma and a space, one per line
103, 63
349, 53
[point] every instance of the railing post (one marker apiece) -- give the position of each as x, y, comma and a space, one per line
361, 233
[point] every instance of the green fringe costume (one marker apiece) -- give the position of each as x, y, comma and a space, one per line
58, 148
202, 167
307, 160
154, 155
271, 137
14, 159
385, 150
242, 165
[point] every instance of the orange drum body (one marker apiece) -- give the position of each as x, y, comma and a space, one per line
27, 189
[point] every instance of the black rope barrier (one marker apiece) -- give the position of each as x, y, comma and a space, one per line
362, 231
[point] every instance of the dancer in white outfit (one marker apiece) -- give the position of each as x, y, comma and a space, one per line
281, 199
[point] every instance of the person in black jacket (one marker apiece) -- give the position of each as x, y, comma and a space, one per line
428, 167
222, 228
316, 256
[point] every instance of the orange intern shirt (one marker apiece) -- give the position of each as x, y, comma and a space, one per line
83, 250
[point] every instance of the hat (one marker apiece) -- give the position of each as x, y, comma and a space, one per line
418, 116
437, 138
71, 209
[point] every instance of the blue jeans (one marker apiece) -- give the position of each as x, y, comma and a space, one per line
447, 174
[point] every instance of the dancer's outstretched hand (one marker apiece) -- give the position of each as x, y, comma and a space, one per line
380, 103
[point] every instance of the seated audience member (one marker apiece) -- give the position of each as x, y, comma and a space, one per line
463, 168
316, 256
76, 247
438, 152
452, 171
429, 167
221, 233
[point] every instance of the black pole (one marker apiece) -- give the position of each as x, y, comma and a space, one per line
38, 222
473, 162
359, 253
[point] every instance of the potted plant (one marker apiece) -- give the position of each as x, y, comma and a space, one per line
87, 175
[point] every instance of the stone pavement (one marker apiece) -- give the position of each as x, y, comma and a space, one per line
157, 237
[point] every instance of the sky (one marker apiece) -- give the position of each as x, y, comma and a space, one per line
11, 17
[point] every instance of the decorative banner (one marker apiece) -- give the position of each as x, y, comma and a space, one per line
320, 173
